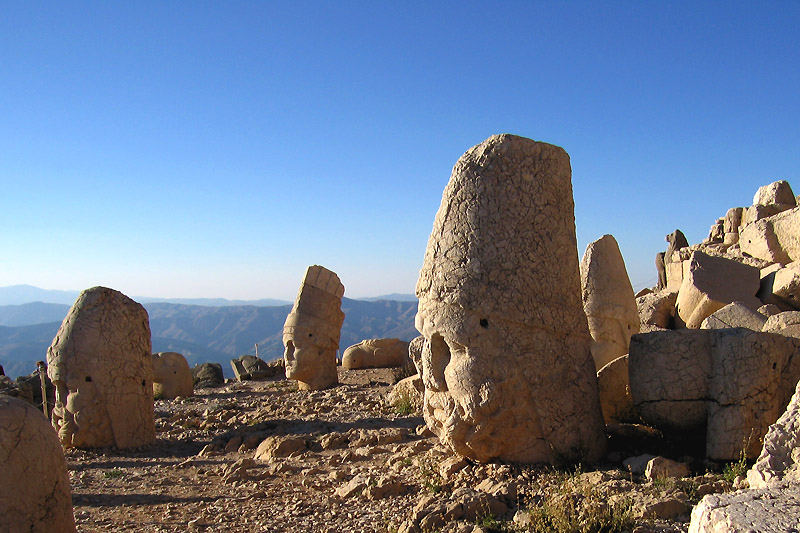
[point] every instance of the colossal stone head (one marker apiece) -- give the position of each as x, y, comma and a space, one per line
101, 366
506, 363
172, 376
311, 331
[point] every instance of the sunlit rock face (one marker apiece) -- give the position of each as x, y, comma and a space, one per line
101, 366
35, 493
506, 363
312, 329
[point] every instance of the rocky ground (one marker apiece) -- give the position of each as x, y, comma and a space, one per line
345, 460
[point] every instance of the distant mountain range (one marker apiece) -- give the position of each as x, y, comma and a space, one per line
202, 333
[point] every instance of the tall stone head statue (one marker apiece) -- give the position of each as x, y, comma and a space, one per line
101, 366
506, 364
312, 329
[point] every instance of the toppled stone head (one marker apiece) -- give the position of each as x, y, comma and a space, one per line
172, 376
312, 329
101, 365
506, 363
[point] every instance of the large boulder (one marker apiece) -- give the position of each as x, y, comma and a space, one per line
608, 300
732, 382
207, 375
656, 310
710, 283
101, 365
251, 367
35, 494
312, 330
775, 238
506, 365
172, 376
734, 315
376, 353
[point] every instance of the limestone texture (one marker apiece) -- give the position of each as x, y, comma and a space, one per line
608, 300
409, 390
710, 283
734, 315
656, 310
767, 510
615, 394
101, 365
35, 494
786, 323
775, 238
251, 367
781, 451
776, 193
312, 329
731, 382
172, 376
376, 353
506, 365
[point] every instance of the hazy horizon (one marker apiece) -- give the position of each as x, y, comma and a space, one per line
217, 150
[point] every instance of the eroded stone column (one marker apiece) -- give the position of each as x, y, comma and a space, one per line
312, 329
506, 363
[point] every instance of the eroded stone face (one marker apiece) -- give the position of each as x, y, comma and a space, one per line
506, 363
101, 366
608, 300
312, 329
35, 494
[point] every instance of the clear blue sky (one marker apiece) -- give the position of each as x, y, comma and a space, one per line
215, 149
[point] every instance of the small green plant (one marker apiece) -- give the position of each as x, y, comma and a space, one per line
113, 474
403, 404
490, 523
739, 467
431, 479
574, 507
158, 396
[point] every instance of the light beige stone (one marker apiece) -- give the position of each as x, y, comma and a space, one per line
775, 239
675, 273
781, 451
661, 467
776, 193
101, 365
415, 348
786, 323
376, 353
733, 220
711, 283
717, 232
771, 509
408, 389
608, 300
786, 284
734, 315
615, 394
172, 376
506, 365
312, 329
768, 310
735, 382
34, 486
278, 446
656, 310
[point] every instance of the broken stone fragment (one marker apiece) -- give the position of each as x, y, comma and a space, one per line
712, 282
734, 315
376, 353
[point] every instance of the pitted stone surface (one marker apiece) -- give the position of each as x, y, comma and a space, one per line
608, 300
775, 238
656, 310
312, 329
781, 452
34, 486
507, 368
735, 382
710, 283
172, 376
376, 353
776, 193
767, 510
101, 365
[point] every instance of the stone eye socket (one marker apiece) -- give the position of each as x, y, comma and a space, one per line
88, 379
484, 323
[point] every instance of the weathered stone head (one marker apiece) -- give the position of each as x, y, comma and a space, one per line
35, 493
506, 363
101, 365
172, 376
312, 329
